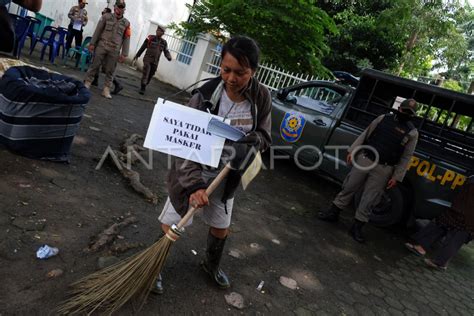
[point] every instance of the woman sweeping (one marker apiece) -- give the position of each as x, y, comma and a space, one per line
238, 96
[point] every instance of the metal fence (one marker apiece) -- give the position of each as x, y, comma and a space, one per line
275, 78
269, 75
184, 47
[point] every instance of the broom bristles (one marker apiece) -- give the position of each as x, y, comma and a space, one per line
110, 288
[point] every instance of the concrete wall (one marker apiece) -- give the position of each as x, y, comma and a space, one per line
182, 75
144, 16
139, 13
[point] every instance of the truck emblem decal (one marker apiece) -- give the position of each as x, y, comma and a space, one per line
292, 126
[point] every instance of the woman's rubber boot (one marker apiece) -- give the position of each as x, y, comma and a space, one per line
158, 286
215, 248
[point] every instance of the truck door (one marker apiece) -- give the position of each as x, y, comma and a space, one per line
305, 115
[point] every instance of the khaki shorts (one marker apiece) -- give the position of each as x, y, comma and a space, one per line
213, 215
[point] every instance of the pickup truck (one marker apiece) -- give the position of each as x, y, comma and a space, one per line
316, 121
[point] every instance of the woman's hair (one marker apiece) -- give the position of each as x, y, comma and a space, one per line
244, 49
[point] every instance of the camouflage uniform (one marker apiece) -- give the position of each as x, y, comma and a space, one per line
154, 47
110, 36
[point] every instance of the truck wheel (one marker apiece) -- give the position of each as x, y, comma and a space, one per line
389, 211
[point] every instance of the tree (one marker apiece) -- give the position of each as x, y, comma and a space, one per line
428, 29
404, 37
456, 53
362, 40
290, 34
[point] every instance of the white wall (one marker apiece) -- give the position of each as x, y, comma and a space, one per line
182, 75
139, 13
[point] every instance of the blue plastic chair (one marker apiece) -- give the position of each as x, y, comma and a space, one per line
83, 53
21, 26
59, 42
34, 23
47, 40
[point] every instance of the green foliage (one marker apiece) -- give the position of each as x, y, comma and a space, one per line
290, 34
452, 85
405, 37
362, 41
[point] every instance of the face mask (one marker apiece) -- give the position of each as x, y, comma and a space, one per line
403, 117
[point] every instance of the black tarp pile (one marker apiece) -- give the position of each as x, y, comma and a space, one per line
40, 112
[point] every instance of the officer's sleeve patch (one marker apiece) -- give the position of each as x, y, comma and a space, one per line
128, 32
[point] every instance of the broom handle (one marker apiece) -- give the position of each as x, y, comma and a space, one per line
214, 184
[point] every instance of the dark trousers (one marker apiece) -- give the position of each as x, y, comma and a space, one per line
450, 245
148, 72
7, 31
73, 34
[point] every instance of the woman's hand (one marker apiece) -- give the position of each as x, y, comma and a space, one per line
199, 199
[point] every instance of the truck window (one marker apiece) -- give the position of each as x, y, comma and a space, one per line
444, 118
321, 99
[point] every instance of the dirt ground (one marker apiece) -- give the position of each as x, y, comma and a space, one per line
274, 234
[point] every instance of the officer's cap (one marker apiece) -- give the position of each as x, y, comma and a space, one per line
120, 4
409, 106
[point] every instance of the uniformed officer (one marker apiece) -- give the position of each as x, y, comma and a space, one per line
111, 35
154, 45
389, 142
79, 19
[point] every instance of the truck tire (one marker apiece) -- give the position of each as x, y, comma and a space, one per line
390, 210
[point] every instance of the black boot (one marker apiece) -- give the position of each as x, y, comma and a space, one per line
330, 215
95, 82
215, 247
142, 89
356, 231
117, 87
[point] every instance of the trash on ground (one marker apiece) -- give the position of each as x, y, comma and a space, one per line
236, 253
45, 252
95, 128
194, 252
235, 299
288, 282
260, 285
55, 273
276, 241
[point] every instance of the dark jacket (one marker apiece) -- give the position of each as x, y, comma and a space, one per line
185, 177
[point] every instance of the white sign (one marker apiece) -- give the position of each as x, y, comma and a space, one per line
181, 131
77, 25
397, 102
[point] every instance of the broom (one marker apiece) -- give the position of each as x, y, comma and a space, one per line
110, 288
